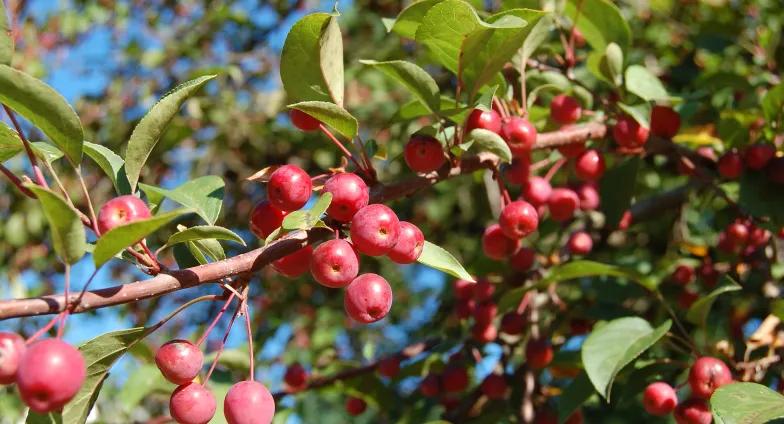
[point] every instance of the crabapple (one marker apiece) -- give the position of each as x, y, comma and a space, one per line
518, 171
737, 233
375, 229
248, 402
454, 379
730, 165
424, 153
487, 120
518, 219
496, 245
588, 196
334, 263
121, 210
303, 121
483, 291
629, 134
294, 264
349, 194
410, 242
683, 275
513, 323
296, 377
757, 156
519, 134
538, 353
580, 243
494, 386
708, 374
355, 406
50, 374
708, 273
430, 385
659, 399
368, 298
579, 38
179, 361
465, 308
537, 191
693, 411
589, 166
565, 110
192, 403
265, 218
687, 298
485, 312
523, 259
665, 122
562, 204
464, 289
289, 188
571, 150
389, 367
484, 333
12, 347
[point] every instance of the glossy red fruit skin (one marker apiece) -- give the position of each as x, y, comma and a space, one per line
565, 110
50, 374
538, 353
580, 243
484, 333
683, 275
519, 171
355, 406
192, 403
589, 166
289, 188
757, 156
519, 134
334, 263
737, 233
629, 134
294, 264
518, 219
248, 402
523, 260
485, 313
562, 204
424, 153
12, 347
496, 245
121, 210
708, 374
487, 120
179, 361
464, 289
454, 379
374, 230
265, 218
537, 191
368, 298
430, 386
589, 196
349, 195
494, 386
572, 150
389, 367
483, 291
659, 399
513, 324
665, 122
693, 411
303, 121
410, 242
730, 165
296, 378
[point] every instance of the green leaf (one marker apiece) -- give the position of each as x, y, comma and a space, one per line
120, 237
68, 236
698, 312
314, 39
10, 143
409, 20
611, 66
436, 257
443, 29
111, 163
643, 83
141, 382
773, 104
616, 189
46, 152
49, 418
761, 197
747, 403
640, 112
208, 247
416, 79
233, 359
203, 232
204, 195
6, 38
600, 22
45, 108
573, 396
614, 345
297, 220
330, 115
149, 130
537, 35
318, 209
489, 141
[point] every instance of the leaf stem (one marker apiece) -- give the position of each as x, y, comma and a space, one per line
251, 354
215, 320
342, 148
39, 176
16, 181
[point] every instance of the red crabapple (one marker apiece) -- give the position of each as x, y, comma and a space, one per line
368, 298
389, 367
483, 291
665, 122
334, 263
588, 196
294, 264
375, 229
464, 289
454, 379
179, 361
565, 110
562, 204
289, 188
518, 219
537, 191
487, 120
757, 156
50, 374
520, 135
523, 259
708, 374
465, 308
265, 218
629, 134
410, 242
355, 406
538, 353
303, 121
579, 38
496, 245
683, 275
121, 210
485, 313
737, 233
484, 333
513, 323
518, 171
424, 153
192, 403
589, 166
12, 347
571, 150
730, 165
693, 411
494, 386
580, 243
349, 194
296, 378
687, 298
430, 386
659, 399
248, 402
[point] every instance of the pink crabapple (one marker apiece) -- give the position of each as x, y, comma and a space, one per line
12, 347
349, 195
520, 135
659, 399
496, 245
518, 219
693, 411
565, 110
629, 134
368, 298
424, 153
708, 374
120, 211
410, 242
334, 263
375, 230
294, 264
179, 361
50, 374
248, 402
665, 122
192, 403
265, 218
289, 188
303, 121
486, 120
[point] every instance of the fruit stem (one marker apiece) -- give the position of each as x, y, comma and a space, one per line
553, 169
686, 339
215, 321
159, 324
342, 148
505, 198
67, 294
504, 111
153, 258
86, 193
251, 355
222, 345
39, 176
45, 328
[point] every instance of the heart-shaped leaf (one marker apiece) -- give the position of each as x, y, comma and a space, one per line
747, 403
68, 236
330, 115
437, 257
416, 79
